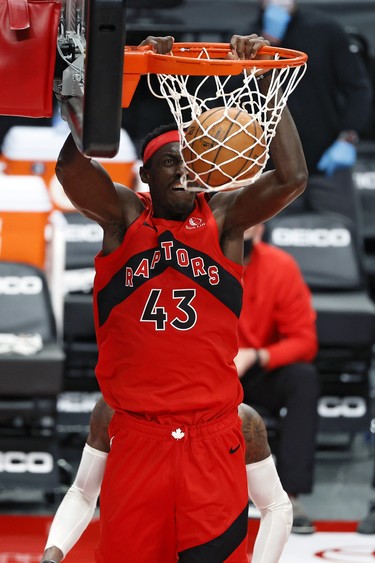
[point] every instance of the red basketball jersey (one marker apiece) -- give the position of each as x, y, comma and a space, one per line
166, 307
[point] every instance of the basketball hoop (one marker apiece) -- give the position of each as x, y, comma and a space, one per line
197, 77
89, 74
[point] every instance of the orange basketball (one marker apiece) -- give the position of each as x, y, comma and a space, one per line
223, 144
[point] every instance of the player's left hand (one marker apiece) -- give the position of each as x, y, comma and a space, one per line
160, 45
247, 46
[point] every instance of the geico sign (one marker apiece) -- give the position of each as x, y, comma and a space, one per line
320, 238
77, 402
346, 407
20, 285
83, 233
26, 462
365, 180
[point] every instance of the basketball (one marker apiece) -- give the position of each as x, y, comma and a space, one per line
224, 144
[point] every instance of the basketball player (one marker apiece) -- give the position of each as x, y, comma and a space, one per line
78, 506
167, 297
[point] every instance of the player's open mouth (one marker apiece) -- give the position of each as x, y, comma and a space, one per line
178, 188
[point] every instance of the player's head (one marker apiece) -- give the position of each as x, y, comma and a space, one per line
162, 170
156, 139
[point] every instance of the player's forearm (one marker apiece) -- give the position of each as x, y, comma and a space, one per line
286, 147
87, 184
77, 507
288, 156
275, 508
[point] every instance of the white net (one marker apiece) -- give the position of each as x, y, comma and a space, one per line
228, 147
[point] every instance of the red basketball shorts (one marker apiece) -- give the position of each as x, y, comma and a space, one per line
174, 493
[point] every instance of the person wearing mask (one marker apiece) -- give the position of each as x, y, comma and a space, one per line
330, 107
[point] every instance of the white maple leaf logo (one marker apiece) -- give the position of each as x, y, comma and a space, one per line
178, 434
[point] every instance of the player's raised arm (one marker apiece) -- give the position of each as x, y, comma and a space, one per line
276, 188
87, 184
92, 192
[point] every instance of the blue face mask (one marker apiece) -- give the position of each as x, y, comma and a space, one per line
275, 21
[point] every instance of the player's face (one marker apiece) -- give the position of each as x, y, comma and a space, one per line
170, 200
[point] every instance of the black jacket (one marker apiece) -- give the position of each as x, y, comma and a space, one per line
336, 93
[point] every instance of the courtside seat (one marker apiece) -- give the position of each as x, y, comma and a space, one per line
323, 246
31, 360
83, 241
31, 375
364, 180
33, 151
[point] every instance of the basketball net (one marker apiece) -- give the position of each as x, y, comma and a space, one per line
189, 96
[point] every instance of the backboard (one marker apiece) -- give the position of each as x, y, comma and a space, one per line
90, 47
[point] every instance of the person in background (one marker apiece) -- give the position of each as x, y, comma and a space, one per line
78, 505
277, 346
330, 107
367, 524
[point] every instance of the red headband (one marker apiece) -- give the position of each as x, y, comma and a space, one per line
156, 143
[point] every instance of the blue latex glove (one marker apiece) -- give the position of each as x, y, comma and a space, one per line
340, 154
275, 21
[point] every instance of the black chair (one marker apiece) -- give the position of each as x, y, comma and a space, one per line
330, 262
83, 239
31, 375
83, 242
364, 180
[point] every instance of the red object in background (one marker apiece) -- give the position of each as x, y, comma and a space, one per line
28, 37
23, 538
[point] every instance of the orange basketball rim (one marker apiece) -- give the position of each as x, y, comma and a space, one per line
199, 59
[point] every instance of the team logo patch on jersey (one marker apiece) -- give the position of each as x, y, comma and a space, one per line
178, 434
195, 223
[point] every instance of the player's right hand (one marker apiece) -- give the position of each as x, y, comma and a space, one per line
160, 45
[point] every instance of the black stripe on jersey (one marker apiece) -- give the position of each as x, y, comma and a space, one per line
220, 548
228, 290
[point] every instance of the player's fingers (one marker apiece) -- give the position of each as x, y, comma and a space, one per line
253, 46
247, 46
237, 45
164, 44
161, 45
232, 56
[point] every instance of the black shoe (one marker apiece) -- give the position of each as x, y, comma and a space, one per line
367, 525
302, 524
